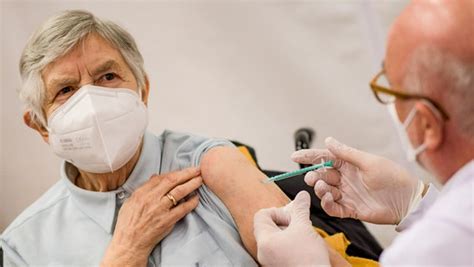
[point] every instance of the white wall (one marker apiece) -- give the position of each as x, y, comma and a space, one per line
253, 71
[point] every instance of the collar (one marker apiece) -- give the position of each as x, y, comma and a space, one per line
462, 176
101, 206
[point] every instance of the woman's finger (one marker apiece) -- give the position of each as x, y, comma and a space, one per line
181, 191
183, 208
162, 184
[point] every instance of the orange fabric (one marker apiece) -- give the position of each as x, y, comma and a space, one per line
247, 154
340, 243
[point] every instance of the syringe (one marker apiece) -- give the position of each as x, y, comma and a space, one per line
287, 175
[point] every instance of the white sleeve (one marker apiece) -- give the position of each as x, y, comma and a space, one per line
444, 236
433, 242
418, 212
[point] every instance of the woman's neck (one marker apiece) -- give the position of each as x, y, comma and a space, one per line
103, 182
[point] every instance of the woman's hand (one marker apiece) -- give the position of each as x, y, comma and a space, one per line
150, 214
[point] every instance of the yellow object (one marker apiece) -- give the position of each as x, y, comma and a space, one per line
340, 243
247, 154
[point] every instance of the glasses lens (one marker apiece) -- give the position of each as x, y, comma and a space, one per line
384, 97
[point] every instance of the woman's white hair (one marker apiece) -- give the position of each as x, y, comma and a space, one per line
457, 92
55, 38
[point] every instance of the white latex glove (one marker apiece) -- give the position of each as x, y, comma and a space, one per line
285, 236
361, 185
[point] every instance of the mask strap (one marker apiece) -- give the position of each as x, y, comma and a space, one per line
410, 117
412, 113
420, 149
433, 108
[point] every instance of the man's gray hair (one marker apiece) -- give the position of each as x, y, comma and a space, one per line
55, 38
458, 75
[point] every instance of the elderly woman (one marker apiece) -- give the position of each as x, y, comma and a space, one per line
126, 196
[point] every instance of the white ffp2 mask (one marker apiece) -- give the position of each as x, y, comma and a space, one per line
402, 127
98, 129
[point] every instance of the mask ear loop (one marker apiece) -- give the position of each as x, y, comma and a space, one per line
420, 149
440, 119
413, 112
410, 117
434, 109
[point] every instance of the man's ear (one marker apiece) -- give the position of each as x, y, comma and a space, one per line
432, 124
35, 126
146, 91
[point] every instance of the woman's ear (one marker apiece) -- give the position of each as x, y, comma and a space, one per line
432, 125
146, 91
28, 120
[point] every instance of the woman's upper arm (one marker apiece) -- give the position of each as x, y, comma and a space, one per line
237, 183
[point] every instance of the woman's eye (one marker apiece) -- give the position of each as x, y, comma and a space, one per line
109, 76
64, 93
65, 90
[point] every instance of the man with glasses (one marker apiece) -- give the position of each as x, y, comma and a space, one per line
427, 82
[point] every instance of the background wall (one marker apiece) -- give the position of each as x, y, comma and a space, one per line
252, 71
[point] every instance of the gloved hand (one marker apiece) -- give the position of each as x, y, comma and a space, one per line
361, 185
285, 236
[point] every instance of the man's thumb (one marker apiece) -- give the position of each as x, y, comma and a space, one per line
300, 207
346, 153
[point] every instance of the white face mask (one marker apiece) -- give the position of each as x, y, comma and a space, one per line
402, 127
98, 129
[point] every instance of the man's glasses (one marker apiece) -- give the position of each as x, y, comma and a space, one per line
381, 89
